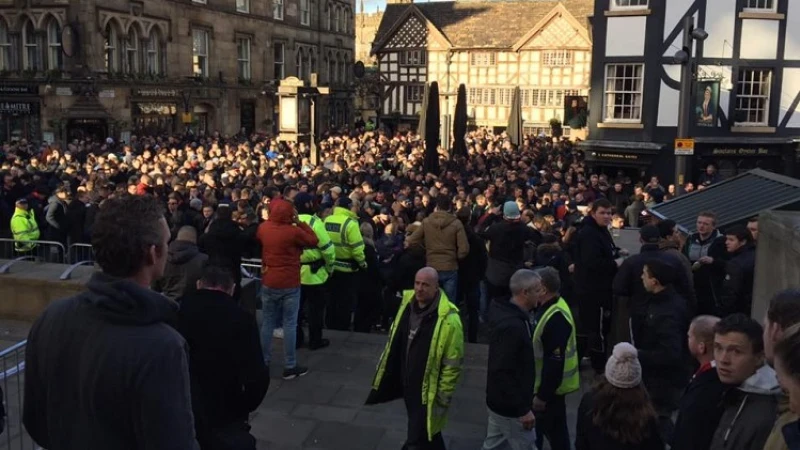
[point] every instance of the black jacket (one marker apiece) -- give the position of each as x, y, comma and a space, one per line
229, 378
659, 337
594, 258
184, 267
737, 286
589, 436
707, 277
507, 239
511, 368
104, 370
699, 412
224, 245
76, 218
472, 268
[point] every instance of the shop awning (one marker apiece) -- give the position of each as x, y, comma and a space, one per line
620, 153
733, 200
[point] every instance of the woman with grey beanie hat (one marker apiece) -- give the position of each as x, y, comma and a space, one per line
617, 414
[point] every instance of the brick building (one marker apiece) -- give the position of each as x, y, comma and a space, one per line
79, 68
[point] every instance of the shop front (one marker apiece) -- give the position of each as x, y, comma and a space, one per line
733, 156
633, 159
20, 113
154, 111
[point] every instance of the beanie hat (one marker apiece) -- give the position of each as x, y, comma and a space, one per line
623, 369
511, 210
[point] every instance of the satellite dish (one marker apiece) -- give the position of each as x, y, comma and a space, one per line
358, 69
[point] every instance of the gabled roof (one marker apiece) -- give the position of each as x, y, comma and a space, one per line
484, 24
733, 200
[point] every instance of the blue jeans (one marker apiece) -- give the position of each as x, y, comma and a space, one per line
506, 433
274, 301
448, 280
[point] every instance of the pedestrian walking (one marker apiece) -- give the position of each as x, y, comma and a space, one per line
422, 360
283, 238
557, 364
511, 373
104, 369
617, 414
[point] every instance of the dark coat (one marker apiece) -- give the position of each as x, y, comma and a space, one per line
707, 277
229, 378
699, 412
589, 436
402, 270
511, 369
104, 370
184, 267
507, 238
737, 286
76, 218
659, 336
224, 244
472, 268
594, 256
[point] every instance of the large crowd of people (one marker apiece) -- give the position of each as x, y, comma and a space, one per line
518, 236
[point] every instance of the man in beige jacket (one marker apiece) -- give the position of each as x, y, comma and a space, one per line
445, 243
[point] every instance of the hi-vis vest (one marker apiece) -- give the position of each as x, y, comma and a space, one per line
571, 381
316, 264
25, 229
343, 229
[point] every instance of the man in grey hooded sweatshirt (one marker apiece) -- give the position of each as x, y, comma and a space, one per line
750, 405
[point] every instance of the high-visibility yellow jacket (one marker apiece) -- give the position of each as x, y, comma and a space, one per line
443, 367
24, 228
343, 229
571, 380
316, 264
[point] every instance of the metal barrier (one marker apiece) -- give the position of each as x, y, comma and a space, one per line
12, 366
40, 251
251, 268
79, 253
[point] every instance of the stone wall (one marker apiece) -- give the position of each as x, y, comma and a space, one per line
777, 257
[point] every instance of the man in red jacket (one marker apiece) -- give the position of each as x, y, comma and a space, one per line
283, 237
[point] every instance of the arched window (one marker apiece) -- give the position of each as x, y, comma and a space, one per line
342, 69
335, 69
54, 55
312, 63
336, 14
299, 60
5, 47
30, 44
153, 57
329, 19
132, 51
345, 20
111, 49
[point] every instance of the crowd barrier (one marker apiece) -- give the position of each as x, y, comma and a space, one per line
12, 366
251, 268
40, 251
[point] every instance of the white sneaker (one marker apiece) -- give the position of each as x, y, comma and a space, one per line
277, 333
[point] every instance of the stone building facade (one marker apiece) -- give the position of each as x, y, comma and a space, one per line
366, 27
71, 69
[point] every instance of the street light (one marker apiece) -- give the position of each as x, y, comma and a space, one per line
685, 59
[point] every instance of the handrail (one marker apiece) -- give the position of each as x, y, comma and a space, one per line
7, 266
19, 367
68, 273
14, 347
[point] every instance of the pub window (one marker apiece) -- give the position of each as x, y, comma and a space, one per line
629, 4
623, 93
200, 53
305, 12
132, 51
243, 6
30, 44
279, 50
53, 45
752, 97
153, 52
5, 47
557, 58
761, 5
412, 58
482, 59
277, 9
110, 47
243, 57
414, 93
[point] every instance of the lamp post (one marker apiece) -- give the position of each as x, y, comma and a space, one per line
685, 57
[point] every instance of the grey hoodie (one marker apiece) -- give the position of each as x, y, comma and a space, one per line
750, 412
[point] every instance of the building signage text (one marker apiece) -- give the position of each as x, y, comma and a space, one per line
10, 90
158, 92
760, 151
615, 156
16, 107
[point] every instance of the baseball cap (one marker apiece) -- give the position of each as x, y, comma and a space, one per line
511, 210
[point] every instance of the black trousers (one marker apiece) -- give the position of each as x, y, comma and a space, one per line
552, 424
594, 323
343, 290
313, 298
469, 292
417, 437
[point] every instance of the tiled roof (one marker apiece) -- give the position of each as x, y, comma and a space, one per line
487, 24
733, 200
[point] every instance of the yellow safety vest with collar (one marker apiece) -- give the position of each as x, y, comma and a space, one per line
443, 367
24, 228
343, 230
571, 380
316, 264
